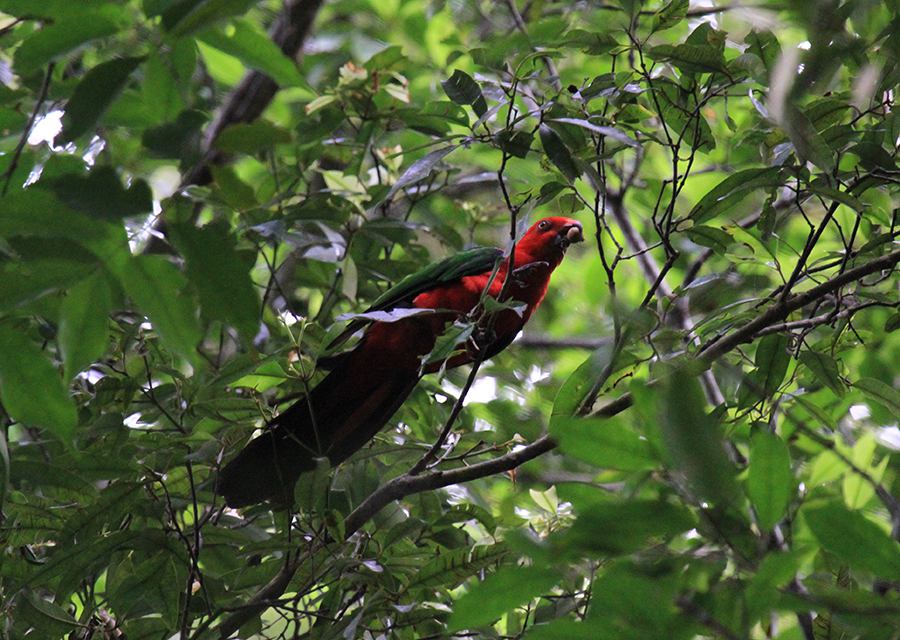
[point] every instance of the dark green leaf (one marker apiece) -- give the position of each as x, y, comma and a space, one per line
250, 138
160, 290
855, 539
214, 267
30, 387
808, 144
609, 132
93, 95
824, 368
462, 89
716, 239
201, 14
516, 143
450, 569
615, 528
769, 482
503, 591
883, 394
67, 33
735, 188
100, 193
772, 360
46, 618
693, 442
83, 323
558, 153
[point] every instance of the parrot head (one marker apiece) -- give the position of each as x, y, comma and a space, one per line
548, 239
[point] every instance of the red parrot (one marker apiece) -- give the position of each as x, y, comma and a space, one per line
368, 384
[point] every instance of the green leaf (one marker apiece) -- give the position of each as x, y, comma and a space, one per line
590, 375
100, 193
516, 143
420, 169
616, 528
558, 153
693, 442
855, 539
839, 196
824, 368
609, 132
690, 58
201, 14
252, 137
879, 392
221, 276
451, 568
30, 387
256, 50
4, 469
160, 290
152, 586
716, 239
462, 89
66, 34
771, 360
858, 490
735, 188
93, 95
605, 443
387, 58
47, 618
503, 591
83, 323
807, 142
769, 482
670, 15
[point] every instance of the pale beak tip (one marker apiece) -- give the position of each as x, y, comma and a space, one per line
574, 234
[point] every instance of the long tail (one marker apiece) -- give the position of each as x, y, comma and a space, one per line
345, 410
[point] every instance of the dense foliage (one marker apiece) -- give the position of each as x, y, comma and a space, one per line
696, 435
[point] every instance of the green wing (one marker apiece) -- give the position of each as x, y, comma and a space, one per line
450, 269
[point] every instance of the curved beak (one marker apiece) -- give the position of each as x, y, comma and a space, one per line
570, 234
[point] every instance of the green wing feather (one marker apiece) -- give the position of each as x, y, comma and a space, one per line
450, 269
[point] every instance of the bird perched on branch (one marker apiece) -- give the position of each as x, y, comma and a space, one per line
368, 384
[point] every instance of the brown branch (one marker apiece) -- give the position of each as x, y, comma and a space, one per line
574, 342
780, 310
256, 90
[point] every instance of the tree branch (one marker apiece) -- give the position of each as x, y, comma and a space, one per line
256, 90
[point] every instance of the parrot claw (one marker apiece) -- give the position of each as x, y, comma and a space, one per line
522, 274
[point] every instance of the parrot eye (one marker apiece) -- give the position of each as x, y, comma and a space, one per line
543, 225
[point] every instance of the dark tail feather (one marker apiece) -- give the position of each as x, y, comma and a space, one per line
347, 412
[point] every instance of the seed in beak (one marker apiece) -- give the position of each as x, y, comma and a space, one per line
574, 234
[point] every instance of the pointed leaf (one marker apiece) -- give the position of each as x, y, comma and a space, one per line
30, 387
769, 483
93, 95
501, 592
221, 276
83, 323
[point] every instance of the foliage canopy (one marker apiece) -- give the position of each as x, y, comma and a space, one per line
696, 436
